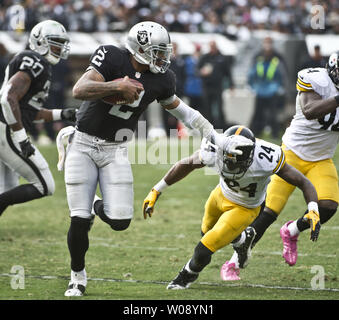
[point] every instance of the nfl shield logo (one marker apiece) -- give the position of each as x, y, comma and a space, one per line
142, 37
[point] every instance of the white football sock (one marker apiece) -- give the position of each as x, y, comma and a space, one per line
234, 259
241, 240
79, 277
293, 229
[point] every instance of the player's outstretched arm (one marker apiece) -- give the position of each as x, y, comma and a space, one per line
178, 171
314, 107
295, 177
193, 119
92, 86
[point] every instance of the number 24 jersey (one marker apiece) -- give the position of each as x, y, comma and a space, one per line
250, 189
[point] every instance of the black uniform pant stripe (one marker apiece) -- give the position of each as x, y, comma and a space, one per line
29, 162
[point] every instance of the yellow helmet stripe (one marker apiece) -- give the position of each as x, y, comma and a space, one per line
239, 130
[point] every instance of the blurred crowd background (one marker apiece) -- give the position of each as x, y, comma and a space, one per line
258, 81
228, 17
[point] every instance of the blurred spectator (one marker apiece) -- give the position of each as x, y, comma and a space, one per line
315, 60
288, 16
193, 83
266, 79
178, 67
4, 60
215, 69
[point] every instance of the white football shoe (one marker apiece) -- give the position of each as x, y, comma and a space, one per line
77, 284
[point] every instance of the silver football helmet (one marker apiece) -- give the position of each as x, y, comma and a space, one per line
49, 38
150, 43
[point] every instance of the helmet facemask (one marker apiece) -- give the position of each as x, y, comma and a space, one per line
49, 38
159, 57
238, 164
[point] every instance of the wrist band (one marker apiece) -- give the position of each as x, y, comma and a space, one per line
20, 135
56, 114
161, 185
312, 206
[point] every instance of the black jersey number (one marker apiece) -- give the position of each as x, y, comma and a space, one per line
328, 120
267, 154
234, 186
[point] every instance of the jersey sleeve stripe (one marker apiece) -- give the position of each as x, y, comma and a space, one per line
239, 130
300, 88
281, 162
306, 84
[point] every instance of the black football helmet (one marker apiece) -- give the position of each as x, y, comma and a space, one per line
332, 67
238, 164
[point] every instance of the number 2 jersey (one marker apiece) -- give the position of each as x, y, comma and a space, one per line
40, 72
313, 140
249, 190
104, 120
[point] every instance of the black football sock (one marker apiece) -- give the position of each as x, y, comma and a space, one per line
201, 258
78, 243
20, 194
261, 223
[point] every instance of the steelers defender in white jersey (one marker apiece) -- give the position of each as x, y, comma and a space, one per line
235, 202
309, 144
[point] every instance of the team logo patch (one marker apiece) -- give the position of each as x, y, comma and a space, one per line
142, 37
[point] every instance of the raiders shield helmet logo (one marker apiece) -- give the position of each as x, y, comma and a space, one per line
142, 37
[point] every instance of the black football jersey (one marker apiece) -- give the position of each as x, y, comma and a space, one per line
104, 120
40, 72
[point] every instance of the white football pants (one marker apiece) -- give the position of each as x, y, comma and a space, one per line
89, 161
34, 169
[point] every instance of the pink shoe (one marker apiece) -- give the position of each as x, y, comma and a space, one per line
229, 272
290, 253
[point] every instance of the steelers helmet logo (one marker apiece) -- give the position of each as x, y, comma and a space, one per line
142, 37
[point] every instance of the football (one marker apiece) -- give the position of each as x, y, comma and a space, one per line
118, 98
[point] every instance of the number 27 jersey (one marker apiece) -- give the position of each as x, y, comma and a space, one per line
249, 190
40, 71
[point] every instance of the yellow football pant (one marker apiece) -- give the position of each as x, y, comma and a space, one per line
322, 174
224, 220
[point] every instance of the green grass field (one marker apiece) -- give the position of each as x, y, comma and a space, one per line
137, 264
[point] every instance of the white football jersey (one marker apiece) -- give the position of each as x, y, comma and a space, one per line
249, 190
313, 140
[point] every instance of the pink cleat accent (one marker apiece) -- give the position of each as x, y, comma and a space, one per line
290, 252
229, 272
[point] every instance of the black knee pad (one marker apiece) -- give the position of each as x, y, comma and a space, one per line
119, 225
326, 214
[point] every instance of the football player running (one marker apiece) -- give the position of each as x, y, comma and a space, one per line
98, 146
235, 202
23, 94
309, 144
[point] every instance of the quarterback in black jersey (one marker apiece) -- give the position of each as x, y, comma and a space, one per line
98, 146
23, 94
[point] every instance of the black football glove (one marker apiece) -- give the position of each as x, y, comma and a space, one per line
26, 148
69, 114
